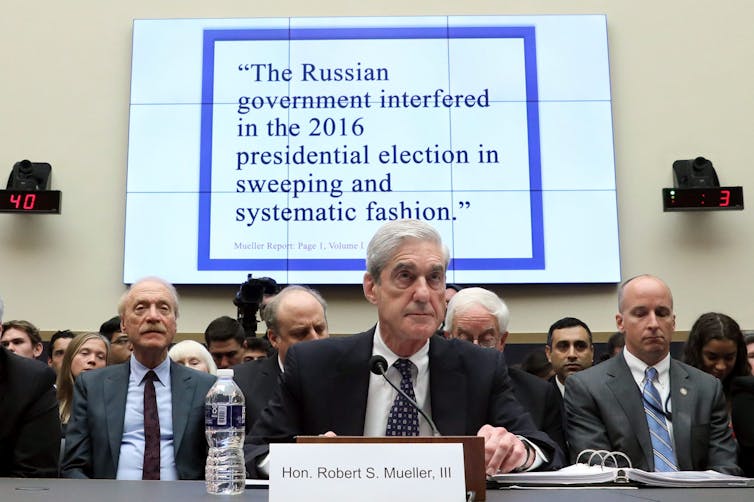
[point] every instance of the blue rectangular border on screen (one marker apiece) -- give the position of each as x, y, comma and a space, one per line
526, 33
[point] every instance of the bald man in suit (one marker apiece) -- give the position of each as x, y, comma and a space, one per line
296, 314
605, 407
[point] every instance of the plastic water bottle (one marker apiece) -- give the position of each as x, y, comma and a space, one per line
225, 423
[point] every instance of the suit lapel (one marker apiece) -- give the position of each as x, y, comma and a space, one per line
114, 395
182, 397
268, 381
623, 386
683, 401
350, 383
270, 369
447, 388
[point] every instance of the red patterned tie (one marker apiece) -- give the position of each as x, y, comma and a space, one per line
151, 468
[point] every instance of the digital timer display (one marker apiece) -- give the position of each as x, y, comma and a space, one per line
23, 201
703, 199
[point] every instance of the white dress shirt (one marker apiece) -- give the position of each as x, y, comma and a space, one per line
131, 459
381, 395
638, 369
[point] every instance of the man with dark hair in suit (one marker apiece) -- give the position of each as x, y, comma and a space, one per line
225, 338
58, 343
296, 314
569, 349
143, 419
327, 386
481, 317
663, 414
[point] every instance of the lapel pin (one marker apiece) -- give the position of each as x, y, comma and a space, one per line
684, 391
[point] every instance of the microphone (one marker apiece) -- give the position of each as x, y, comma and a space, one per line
378, 366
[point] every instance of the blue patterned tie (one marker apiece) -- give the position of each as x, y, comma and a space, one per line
662, 447
403, 419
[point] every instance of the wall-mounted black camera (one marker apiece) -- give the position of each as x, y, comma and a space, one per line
27, 175
694, 173
249, 298
696, 187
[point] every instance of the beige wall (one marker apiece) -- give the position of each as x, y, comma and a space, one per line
682, 83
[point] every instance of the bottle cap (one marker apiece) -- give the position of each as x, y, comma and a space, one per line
225, 373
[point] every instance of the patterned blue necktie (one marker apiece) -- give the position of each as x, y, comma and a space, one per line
403, 419
662, 447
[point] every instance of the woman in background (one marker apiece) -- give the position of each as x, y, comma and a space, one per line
87, 351
194, 355
716, 346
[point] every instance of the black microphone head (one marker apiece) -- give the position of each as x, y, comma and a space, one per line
378, 364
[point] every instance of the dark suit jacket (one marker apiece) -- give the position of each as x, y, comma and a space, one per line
258, 381
325, 387
554, 384
29, 420
543, 402
95, 430
742, 414
605, 411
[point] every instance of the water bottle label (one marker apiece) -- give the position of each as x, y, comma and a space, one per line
225, 415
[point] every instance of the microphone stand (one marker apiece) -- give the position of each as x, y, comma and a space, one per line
378, 366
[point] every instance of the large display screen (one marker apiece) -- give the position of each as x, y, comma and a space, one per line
277, 147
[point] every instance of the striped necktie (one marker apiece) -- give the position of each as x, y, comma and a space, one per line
662, 446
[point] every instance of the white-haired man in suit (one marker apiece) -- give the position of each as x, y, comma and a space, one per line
112, 432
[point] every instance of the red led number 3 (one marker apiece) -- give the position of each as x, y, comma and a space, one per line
724, 198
